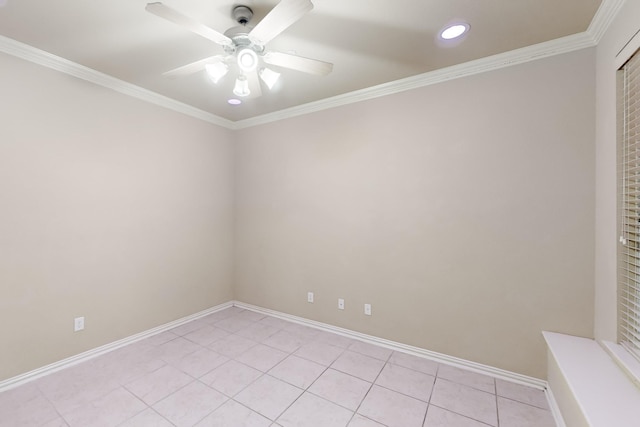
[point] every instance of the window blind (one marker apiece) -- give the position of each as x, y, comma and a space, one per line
629, 205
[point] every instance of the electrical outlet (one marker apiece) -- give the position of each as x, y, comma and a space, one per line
367, 309
309, 296
78, 324
340, 304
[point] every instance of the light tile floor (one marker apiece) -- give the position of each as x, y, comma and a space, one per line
238, 368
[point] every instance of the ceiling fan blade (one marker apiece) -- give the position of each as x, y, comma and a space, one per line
194, 67
254, 85
279, 19
299, 63
190, 24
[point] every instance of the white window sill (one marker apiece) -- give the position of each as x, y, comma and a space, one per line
629, 364
590, 388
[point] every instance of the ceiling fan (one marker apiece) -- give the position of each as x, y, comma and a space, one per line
245, 46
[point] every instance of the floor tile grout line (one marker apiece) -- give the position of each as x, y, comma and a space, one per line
466, 365
336, 358
320, 397
52, 405
146, 407
414, 370
290, 405
466, 385
403, 394
523, 403
324, 398
139, 399
186, 385
214, 409
461, 415
433, 387
310, 385
385, 362
252, 410
369, 390
252, 322
243, 388
160, 415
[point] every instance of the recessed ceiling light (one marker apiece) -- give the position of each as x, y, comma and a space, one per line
454, 31
234, 101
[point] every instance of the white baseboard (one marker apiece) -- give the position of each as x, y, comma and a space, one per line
555, 408
392, 345
98, 351
416, 351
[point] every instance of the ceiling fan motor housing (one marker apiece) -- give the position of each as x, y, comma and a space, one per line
240, 34
240, 37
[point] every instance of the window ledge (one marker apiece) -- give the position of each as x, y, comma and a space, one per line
589, 386
629, 364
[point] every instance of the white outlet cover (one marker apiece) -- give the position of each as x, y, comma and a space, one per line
367, 309
340, 304
310, 297
78, 324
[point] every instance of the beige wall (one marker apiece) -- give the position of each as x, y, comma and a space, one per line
618, 35
110, 208
463, 212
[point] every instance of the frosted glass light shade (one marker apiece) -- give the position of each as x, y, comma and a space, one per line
242, 86
269, 77
216, 71
247, 60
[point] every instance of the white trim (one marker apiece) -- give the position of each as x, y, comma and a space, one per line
404, 348
603, 18
600, 23
630, 47
98, 351
519, 56
624, 359
593, 390
392, 345
40, 57
554, 408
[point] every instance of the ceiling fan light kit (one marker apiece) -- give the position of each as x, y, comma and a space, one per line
216, 70
244, 46
241, 87
247, 60
269, 77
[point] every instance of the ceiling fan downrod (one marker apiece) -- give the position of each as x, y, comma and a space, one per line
242, 14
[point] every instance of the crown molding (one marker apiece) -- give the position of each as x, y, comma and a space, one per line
600, 23
518, 56
602, 20
40, 57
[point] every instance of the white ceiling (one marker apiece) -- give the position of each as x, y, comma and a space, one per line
370, 42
